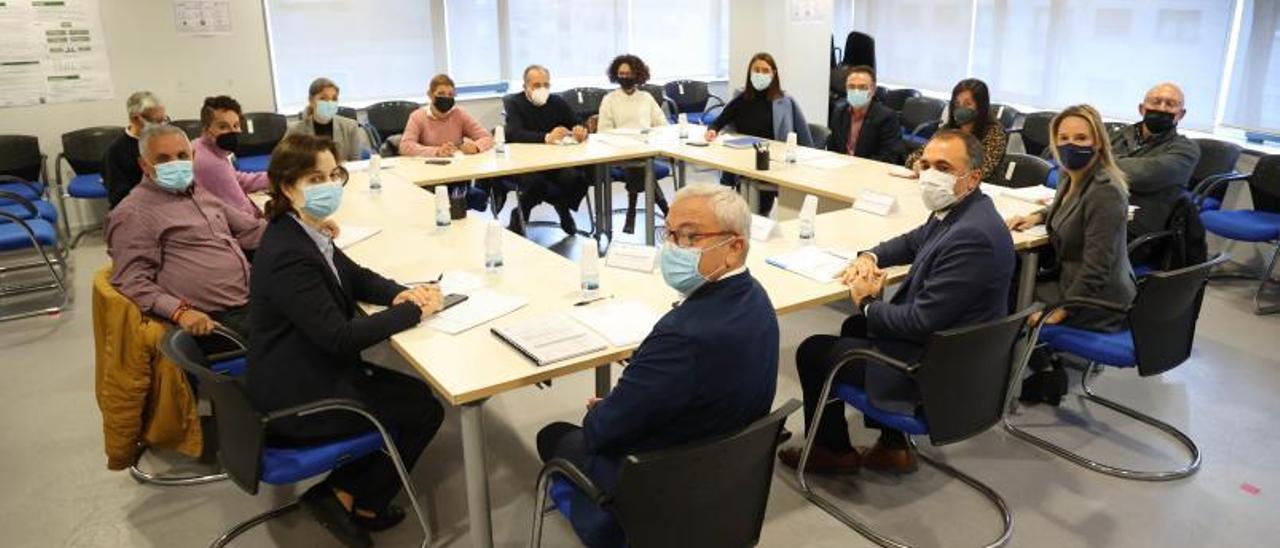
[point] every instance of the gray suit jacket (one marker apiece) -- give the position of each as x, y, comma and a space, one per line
347, 134
1158, 171
1088, 233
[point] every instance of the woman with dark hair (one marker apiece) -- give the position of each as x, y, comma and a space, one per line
321, 118
970, 112
762, 110
307, 337
631, 108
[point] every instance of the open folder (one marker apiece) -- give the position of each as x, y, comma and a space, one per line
550, 338
813, 262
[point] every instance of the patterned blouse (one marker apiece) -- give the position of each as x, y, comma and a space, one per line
994, 144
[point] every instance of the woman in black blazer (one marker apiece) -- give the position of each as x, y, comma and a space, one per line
306, 341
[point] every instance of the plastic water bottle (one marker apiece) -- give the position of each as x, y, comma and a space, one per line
590, 263
791, 148
493, 247
375, 173
442, 207
808, 213
499, 141
682, 120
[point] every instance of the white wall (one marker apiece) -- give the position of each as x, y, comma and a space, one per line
146, 53
802, 49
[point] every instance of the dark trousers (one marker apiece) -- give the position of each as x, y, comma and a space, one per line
595, 527
558, 187
235, 319
815, 358
405, 407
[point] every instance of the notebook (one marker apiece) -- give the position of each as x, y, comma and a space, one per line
813, 262
742, 142
351, 235
550, 338
483, 306
621, 322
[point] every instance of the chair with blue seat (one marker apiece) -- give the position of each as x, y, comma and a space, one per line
249, 460
708, 494
83, 150
1217, 161
693, 99
22, 167
1035, 132
964, 380
921, 117
1161, 332
896, 99
1021, 170
388, 119
584, 101
667, 104
28, 233
1258, 225
262, 132
1010, 118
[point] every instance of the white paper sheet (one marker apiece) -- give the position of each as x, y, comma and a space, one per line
483, 306
1033, 194
828, 162
812, 262
353, 234
551, 338
641, 258
621, 322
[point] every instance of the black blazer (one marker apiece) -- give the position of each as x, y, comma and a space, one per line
306, 338
880, 138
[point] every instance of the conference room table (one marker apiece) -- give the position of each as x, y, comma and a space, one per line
468, 368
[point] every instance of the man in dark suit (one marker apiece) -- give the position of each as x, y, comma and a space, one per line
539, 116
709, 367
961, 264
862, 127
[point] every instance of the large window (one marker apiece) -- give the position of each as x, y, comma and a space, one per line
388, 49
1254, 100
919, 43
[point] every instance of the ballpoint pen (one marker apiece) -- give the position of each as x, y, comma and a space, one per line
585, 302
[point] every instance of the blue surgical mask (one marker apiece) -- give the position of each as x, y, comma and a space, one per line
680, 267
322, 200
174, 176
858, 98
325, 111
761, 81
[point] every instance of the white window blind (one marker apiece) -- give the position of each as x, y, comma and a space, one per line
1254, 99
919, 43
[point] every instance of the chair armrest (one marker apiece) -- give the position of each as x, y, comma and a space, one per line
319, 406
931, 126
878, 356
242, 346
1079, 302
1148, 238
719, 103
11, 179
571, 472
1214, 182
26, 204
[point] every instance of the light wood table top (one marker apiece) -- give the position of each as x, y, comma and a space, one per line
520, 158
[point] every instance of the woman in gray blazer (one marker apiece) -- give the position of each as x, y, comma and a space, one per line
321, 118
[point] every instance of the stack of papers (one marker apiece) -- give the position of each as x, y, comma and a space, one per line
352, 234
483, 306
742, 141
813, 262
1041, 195
550, 338
623, 323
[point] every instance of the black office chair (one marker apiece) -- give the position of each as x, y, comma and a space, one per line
836, 90
1218, 160
1035, 132
192, 128
1112, 128
20, 158
584, 102
692, 99
1021, 170
348, 112
1009, 117
896, 99
921, 117
660, 96
707, 494
964, 379
1259, 225
262, 131
242, 440
83, 150
859, 49
820, 135
1162, 328
388, 120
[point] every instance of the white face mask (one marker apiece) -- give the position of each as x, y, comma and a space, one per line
539, 96
937, 189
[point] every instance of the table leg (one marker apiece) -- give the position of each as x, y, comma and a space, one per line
606, 204
598, 187
604, 380
476, 474
649, 185
681, 173
1027, 278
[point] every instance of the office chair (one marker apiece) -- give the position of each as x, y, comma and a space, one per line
585, 102
820, 135
348, 112
1021, 170
1258, 225
192, 128
1217, 160
921, 117
247, 457
22, 167
692, 98
1180, 244
896, 99
1009, 117
659, 94
859, 49
709, 494
83, 150
30, 232
1035, 132
964, 379
388, 120
1162, 328
262, 132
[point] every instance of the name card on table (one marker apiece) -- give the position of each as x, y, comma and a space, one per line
641, 258
875, 203
763, 228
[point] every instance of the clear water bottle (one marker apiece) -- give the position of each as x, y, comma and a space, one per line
791, 148
442, 207
499, 141
590, 264
493, 247
808, 215
375, 173
682, 120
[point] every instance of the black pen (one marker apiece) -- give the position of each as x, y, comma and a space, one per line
585, 302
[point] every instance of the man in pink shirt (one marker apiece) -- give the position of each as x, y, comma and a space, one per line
220, 116
443, 128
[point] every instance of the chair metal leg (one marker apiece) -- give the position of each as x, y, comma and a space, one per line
1258, 307
147, 478
56, 283
544, 481
242, 527
1125, 473
866, 530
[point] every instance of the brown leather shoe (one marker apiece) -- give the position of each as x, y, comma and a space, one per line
892, 460
822, 460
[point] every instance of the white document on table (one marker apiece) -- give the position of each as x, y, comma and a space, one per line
1039, 194
763, 228
876, 203
460, 281
619, 140
641, 258
363, 165
353, 234
813, 262
550, 338
828, 161
483, 306
621, 322
1038, 231
992, 190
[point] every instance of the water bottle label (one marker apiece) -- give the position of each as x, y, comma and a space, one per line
493, 263
590, 285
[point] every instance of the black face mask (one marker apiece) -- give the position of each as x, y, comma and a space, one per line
228, 141
442, 104
1158, 121
627, 82
1075, 157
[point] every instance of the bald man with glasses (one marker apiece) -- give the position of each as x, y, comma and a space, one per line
1157, 160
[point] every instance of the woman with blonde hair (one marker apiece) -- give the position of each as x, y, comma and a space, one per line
1086, 225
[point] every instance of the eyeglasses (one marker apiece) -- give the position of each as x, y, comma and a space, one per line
688, 238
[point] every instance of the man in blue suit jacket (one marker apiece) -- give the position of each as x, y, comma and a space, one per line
708, 368
961, 264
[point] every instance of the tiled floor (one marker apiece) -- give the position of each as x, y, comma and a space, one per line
57, 491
